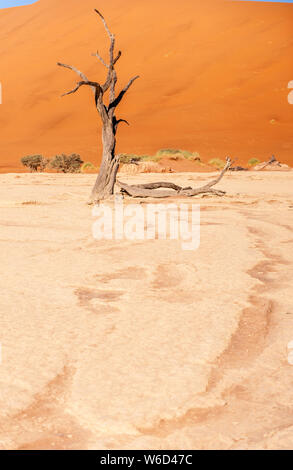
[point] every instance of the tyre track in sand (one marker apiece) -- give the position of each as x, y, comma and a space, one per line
249, 341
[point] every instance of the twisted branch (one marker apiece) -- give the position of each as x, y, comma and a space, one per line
94, 85
81, 75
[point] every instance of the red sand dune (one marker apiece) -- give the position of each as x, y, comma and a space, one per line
214, 77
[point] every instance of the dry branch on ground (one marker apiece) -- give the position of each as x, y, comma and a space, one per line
171, 189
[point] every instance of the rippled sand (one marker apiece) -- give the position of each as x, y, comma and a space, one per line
120, 344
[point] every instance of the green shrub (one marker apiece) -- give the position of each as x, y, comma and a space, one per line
128, 158
217, 162
88, 166
168, 151
176, 154
132, 158
67, 163
150, 158
194, 156
253, 161
35, 162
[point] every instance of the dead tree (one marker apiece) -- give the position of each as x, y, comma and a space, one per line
105, 182
104, 185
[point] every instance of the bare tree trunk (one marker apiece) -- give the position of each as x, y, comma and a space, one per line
105, 182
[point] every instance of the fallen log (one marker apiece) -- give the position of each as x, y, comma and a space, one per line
171, 189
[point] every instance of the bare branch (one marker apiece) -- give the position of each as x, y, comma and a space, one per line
104, 22
112, 77
112, 61
82, 75
225, 169
94, 85
111, 36
116, 123
100, 59
117, 57
72, 91
122, 120
111, 52
115, 103
108, 81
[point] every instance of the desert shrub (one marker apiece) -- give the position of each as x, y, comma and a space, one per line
176, 154
132, 158
253, 161
129, 158
168, 151
35, 162
194, 156
150, 158
67, 163
217, 162
45, 163
87, 166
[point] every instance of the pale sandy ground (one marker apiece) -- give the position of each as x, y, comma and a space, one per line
119, 344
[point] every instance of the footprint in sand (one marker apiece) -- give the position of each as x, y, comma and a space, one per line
88, 298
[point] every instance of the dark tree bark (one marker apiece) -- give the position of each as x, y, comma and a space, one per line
104, 185
105, 182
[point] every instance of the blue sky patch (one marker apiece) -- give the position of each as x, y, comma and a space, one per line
15, 3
